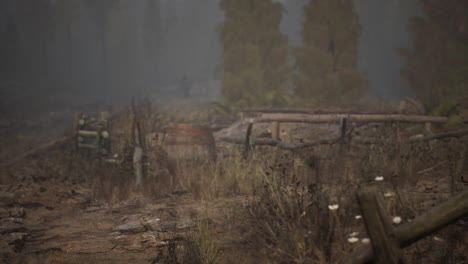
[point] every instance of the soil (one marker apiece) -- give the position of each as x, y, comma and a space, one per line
50, 212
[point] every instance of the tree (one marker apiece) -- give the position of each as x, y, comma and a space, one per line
437, 65
9, 51
65, 12
255, 53
326, 63
101, 11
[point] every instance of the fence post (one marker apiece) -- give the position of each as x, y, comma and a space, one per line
379, 226
343, 127
275, 130
247, 143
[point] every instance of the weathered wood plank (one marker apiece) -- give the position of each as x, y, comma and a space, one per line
379, 227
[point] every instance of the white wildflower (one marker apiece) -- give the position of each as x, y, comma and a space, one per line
353, 240
358, 216
379, 178
105, 134
353, 234
396, 220
333, 207
365, 241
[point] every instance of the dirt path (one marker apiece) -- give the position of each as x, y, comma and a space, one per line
62, 224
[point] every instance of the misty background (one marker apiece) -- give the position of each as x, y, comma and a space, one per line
65, 54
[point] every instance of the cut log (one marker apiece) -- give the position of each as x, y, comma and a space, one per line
424, 225
327, 118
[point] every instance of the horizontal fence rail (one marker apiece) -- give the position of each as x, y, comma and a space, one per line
328, 118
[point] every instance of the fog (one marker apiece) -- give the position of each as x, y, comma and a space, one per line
86, 52
384, 30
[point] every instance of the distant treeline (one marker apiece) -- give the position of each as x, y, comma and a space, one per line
261, 68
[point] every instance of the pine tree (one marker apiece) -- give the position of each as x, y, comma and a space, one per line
437, 65
326, 63
255, 53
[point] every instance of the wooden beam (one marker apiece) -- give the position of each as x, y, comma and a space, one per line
327, 118
434, 220
85, 133
424, 225
379, 227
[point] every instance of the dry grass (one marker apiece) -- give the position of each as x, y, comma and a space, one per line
287, 217
201, 246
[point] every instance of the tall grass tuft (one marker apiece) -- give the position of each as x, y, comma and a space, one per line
201, 246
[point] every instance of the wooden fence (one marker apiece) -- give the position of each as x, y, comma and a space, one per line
387, 241
343, 120
277, 118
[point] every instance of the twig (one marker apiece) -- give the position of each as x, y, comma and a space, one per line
431, 168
